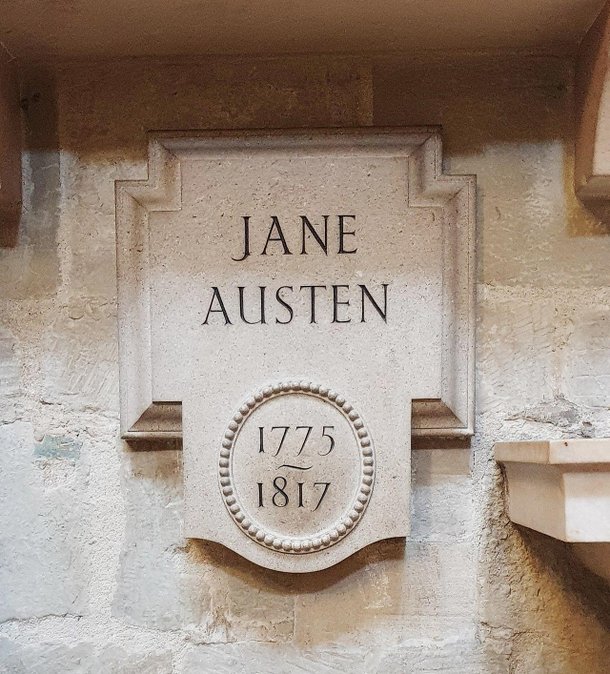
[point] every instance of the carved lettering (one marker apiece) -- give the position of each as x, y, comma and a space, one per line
336, 303
311, 229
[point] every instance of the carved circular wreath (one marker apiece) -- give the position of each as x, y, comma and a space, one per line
340, 528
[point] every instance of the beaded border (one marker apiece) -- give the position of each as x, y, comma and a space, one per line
326, 537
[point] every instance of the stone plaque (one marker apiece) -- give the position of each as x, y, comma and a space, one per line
288, 303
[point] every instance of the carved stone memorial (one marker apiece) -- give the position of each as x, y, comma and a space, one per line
295, 305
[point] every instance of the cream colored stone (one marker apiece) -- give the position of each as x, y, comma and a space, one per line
544, 278
238, 93
587, 368
507, 119
41, 490
58, 658
395, 591
260, 256
156, 488
562, 488
592, 170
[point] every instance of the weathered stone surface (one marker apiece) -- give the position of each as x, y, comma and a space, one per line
540, 342
81, 658
165, 584
542, 348
516, 357
422, 656
103, 116
383, 591
109, 107
10, 377
587, 370
43, 567
78, 362
151, 566
44, 658
273, 659
58, 447
533, 652
442, 497
508, 120
227, 604
446, 655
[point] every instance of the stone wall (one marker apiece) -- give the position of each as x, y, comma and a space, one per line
94, 573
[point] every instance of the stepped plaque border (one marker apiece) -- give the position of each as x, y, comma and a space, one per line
451, 415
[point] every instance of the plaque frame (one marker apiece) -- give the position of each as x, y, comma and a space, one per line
449, 416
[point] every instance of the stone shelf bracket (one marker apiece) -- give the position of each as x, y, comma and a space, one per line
592, 168
562, 489
10, 151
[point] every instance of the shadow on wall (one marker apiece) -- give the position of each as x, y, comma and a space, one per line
206, 552
31, 268
399, 588
554, 557
508, 119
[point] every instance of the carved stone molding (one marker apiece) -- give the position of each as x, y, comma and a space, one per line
592, 169
354, 508
283, 473
449, 415
430, 418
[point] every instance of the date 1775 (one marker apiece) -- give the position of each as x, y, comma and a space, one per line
300, 493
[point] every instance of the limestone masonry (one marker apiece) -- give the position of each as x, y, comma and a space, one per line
98, 570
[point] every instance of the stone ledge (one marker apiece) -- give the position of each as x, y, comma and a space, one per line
431, 418
562, 489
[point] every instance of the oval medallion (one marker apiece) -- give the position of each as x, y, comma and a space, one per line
296, 467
